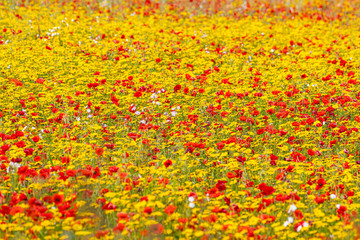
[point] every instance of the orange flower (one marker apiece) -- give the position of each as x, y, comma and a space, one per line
156, 228
170, 209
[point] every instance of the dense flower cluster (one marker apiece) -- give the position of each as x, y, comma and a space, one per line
162, 121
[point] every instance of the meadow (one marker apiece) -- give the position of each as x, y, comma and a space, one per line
179, 119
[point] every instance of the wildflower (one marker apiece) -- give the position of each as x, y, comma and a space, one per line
292, 208
167, 163
170, 209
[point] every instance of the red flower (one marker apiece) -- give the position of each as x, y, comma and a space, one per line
341, 210
167, 163
23, 170
109, 206
148, 210
40, 80
36, 138
170, 209
158, 60
311, 152
319, 200
119, 228
99, 151
266, 190
177, 88
71, 172
320, 184
137, 94
220, 185
57, 199
220, 145
350, 193
298, 214
260, 131
230, 175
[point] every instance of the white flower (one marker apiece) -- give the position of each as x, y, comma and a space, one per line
89, 116
332, 196
13, 166
191, 205
305, 224
337, 206
173, 113
299, 228
88, 110
286, 223
292, 208
290, 219
191, 199
137, 113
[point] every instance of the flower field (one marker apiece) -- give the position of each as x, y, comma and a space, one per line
179, 120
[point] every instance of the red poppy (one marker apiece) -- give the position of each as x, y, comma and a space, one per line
40, 80
177, 88
158, 60
320, 184
148, 210
119, 228
170, 209
99, 151
319, 200
266, 190
341, 210
220, 145
122, 216
71, 172
260, 131
36, 138
57, 198
230, 175
137, 94
167, 163
311, 152
220, 185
